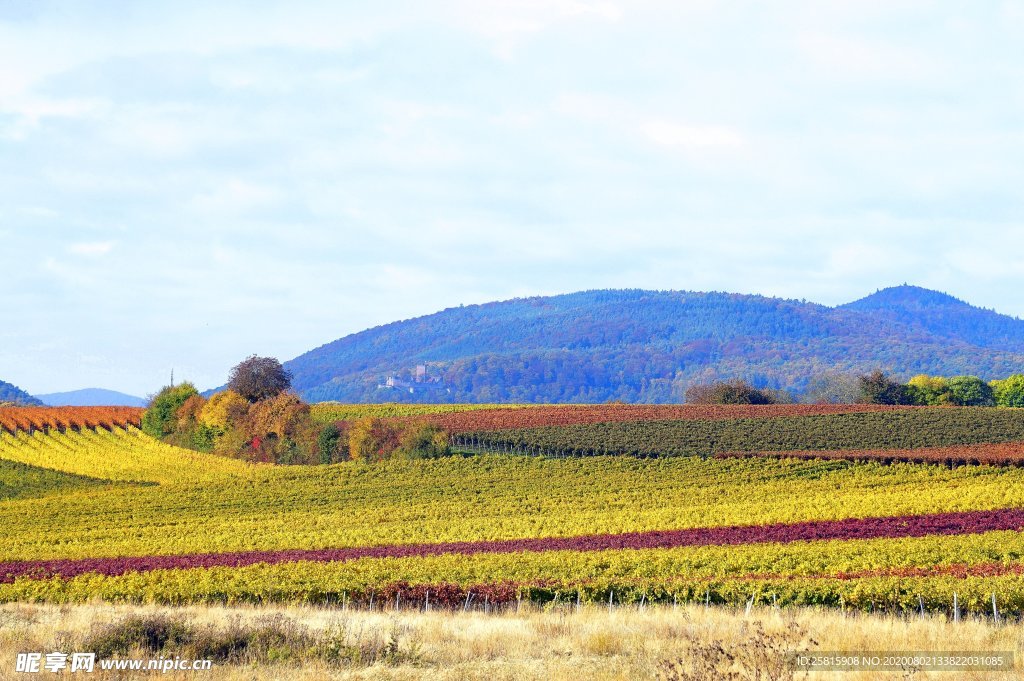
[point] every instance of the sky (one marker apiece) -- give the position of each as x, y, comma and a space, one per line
183, 184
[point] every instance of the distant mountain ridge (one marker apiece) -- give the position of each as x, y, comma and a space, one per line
944, 315
648, 346
12, 393
91, 397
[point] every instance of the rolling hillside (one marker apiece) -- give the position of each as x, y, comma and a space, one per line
648, 346
14, 394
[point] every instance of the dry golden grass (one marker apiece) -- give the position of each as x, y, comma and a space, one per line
561, 644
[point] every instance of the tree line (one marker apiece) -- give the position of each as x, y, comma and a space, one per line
875, 387
259, 418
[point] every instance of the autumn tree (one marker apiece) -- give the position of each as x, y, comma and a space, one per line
189, 431
224, 415
929, 390
422, 441
283, 427
971, 391
372, 439
833, 388
878, 388
1009, 392
224, 410
258, 378
161, 416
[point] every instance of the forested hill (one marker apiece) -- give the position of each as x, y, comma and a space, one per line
944, 316
648, 346
12, 393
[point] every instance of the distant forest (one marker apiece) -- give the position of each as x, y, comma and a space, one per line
12, 394
651, 346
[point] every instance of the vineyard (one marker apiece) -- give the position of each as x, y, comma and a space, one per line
823, 506
993, 454
903, 429
468, 418
29, 419
19, 481
325, 412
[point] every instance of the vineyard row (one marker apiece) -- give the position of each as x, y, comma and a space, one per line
938, 524
538, 416
905, 429
62, 419
993, 454
979, 597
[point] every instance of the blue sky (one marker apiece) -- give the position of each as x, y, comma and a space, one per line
185, 183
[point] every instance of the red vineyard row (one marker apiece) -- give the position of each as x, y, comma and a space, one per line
998, 454
29, 419
569, 415
964, 522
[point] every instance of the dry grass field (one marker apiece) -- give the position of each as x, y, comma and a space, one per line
291, 643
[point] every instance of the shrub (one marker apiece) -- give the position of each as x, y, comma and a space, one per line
152, 634
372, 439
728, 392
161, 417
191, 432
224, 410
232, 442
877, 388
329, 443
423, 441
833, 388
273, 638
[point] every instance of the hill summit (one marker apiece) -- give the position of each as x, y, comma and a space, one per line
91, 397
908, 298
12, 393
649, 346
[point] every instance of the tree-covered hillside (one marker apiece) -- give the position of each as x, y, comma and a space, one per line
944, 316
14, 394
649, 346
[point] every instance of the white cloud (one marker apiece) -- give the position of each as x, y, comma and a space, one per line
847, 57
380, 162
161, 135
27, 112
508, 23
693, 137
92, 248
504, 17
626, 117
237, 196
